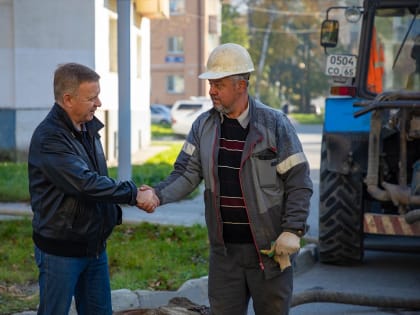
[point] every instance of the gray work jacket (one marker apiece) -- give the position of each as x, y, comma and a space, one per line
274, 177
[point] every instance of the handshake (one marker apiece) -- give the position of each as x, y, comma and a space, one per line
147, 199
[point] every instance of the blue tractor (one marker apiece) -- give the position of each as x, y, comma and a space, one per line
370, 154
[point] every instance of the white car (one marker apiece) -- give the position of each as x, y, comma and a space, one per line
184, 112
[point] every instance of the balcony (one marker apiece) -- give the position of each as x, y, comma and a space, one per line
153, 9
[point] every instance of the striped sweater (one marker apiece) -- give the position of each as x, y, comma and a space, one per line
236, 228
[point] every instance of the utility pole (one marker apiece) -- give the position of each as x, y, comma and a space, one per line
264, 49
124, 89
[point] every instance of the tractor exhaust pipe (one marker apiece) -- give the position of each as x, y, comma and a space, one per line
371, 179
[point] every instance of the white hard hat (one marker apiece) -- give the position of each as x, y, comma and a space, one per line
226, 60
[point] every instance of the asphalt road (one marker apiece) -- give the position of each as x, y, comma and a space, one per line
310, 136
383, 276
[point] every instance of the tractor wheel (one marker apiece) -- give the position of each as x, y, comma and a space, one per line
340, 216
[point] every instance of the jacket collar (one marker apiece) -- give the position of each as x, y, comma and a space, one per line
256, 135
243, 118
92, 126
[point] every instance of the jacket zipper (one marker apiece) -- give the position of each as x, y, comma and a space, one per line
216, 208
262, 267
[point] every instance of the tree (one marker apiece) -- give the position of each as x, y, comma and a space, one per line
233, 30
283, 40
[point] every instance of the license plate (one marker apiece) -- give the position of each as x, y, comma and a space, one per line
341, 66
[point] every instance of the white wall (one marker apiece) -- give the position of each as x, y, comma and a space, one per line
36, 36
45, 33
140, 86
7, 77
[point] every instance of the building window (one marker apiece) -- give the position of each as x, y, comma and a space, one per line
175, 84
177, 7
214, 25
113, 45
176, 45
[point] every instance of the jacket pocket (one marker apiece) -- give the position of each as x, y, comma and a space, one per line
264, 163
81, 218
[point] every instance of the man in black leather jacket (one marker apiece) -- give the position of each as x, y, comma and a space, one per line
74, 202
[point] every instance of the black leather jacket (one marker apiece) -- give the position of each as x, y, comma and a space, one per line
75, 203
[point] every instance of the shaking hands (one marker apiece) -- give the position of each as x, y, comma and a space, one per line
147, 199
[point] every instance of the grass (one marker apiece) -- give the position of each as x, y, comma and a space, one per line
308, 119
161, 131
176, 254
143, 256
13, 182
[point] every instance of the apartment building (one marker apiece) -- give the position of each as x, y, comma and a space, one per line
37, 35
180, 47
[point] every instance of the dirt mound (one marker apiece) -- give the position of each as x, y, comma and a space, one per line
176, 306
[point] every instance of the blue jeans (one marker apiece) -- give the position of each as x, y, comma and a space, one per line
85, 278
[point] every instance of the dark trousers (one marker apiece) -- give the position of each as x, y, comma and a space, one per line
237, 277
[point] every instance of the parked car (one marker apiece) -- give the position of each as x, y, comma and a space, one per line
160, 114
184, 112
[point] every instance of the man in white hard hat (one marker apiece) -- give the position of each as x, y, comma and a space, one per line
257, 190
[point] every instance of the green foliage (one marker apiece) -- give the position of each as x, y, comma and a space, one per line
292, 72
157, 257
17, 267
308, 119
15, 299
143, 256
14, 182
161, 131
155, 169
232, 30
16, 240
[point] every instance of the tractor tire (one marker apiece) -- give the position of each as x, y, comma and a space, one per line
340, 215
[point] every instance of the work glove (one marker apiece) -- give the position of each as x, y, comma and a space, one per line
286, 244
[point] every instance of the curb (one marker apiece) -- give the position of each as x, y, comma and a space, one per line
15, 209
307, 257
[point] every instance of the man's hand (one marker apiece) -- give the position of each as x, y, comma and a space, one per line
286, 244
147, 200
146, 187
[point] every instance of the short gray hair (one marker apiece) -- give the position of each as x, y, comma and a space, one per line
241, 76
69, 76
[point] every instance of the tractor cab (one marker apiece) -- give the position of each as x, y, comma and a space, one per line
385, 56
